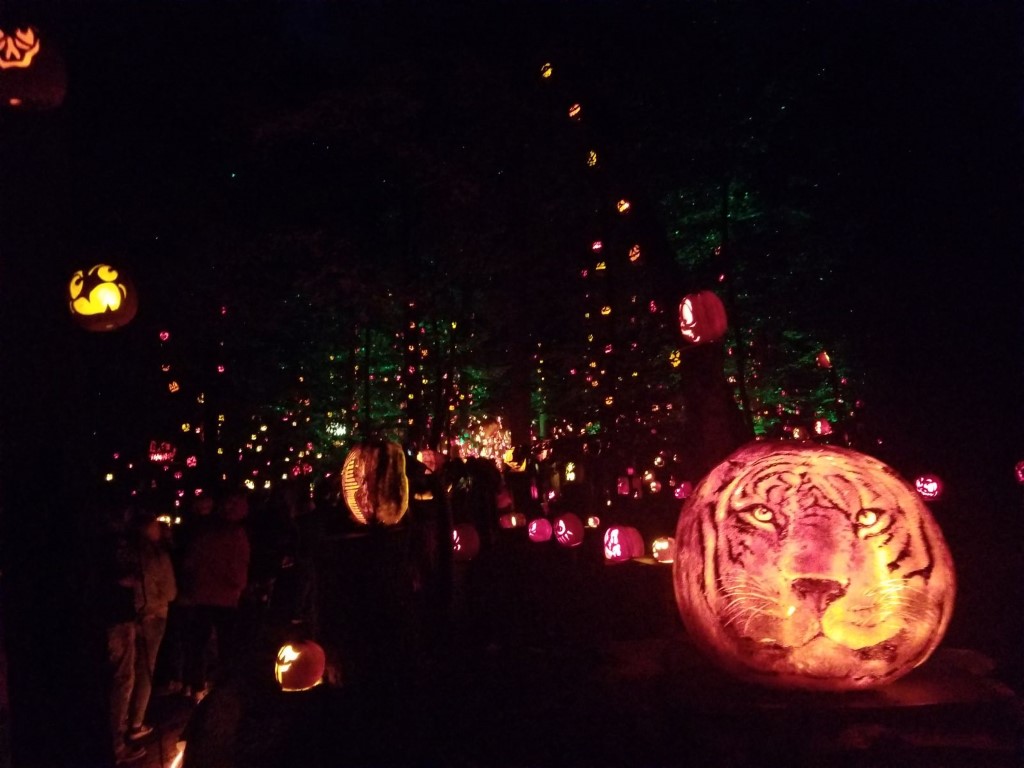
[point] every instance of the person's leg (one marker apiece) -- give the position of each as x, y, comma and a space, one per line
121, 660
150, 633
197, 637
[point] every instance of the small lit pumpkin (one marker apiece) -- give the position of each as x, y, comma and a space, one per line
702, 317
663, 549
539, 530
300, 666
811, 566
511, 520
465, 542
102, 298
32, 72
568, 530
929, 486
374, 484
622, 543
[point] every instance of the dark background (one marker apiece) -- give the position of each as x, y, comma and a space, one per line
913, 133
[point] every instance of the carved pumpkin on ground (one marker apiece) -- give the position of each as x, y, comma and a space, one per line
102, 298
539, 530
702, 317
374, 484
465, 542
569, 530
300, 666
622, 543
811, 566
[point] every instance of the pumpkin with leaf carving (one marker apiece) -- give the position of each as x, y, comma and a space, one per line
811, 566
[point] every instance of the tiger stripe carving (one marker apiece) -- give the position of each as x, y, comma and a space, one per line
811, 566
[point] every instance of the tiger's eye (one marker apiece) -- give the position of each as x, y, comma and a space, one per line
763, 515
867, 517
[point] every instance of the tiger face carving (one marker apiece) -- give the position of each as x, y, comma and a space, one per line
811, 566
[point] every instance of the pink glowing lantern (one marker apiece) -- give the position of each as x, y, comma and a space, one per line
540, 530
683, 490
622, 543
465, 542
663, 549
928, 486
569, 530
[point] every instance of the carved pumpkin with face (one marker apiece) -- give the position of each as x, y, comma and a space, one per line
300, 666
811, 566
702, 317
102, 298
622, 543
374, 483
32, 73
568, 530
465, 542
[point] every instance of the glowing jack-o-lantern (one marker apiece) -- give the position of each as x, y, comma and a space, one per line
663, 549
568, 530
465, 542
539, 530
512, 520
622, 543
300, 666
374, 484
32, 73
811, 566
929, 486
702, 317
102, 298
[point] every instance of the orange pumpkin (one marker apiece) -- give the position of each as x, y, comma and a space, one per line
102, 298
539, 530
569, 530
300, 666
811, 566
702, 317
374, 484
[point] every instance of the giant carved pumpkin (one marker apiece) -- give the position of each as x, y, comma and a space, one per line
374, 484
811, 566
300, 666
702, 317
32, 72
102, 298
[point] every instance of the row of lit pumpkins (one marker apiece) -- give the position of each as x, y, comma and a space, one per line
621, 542
795, 565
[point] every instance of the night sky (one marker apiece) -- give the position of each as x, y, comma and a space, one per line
905, 117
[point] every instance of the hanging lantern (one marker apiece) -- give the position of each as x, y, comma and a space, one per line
568, 530
32, 73
102, 298
702, 317
663, 549
621, 543
811, 566
539, 530
823, 360
929, 486
465, 542
374, 484
300, 666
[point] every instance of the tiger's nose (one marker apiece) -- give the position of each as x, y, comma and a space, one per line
820, 593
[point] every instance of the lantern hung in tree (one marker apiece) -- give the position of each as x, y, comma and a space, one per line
465, 542
622, 543
702, 317
568, 530
811, 566
102, 298
929, 486
300, 666
32, 72
374, 484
